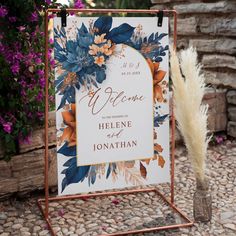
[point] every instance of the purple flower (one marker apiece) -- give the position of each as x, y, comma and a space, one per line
3, 11
21, 28
30, 115
40, 72
48, 1
42, 82
25, 140
23, 93
52, 62
39, 96
51, 98
39, 114
38, 60
23, 83
78, 4
7, 127
18, 56
12, 19
33, 17
61, 212
51, 16
51, 41
219, 139
15, 68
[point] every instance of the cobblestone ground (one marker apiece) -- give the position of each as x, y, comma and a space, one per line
103, 215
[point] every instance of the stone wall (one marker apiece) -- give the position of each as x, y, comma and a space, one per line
24, 172
210, 26
231, 98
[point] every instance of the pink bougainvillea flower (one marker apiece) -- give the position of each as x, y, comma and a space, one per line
40, 72
61, 212
3, 11
78, 4
51, 41
15, 68
219, 139
48, 1
115, 201
39, 97
25, 140
34, 17
38, 60
51, 16
7, 127
12, 19
42, 82
21, 28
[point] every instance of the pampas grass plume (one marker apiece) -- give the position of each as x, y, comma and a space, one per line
191, 115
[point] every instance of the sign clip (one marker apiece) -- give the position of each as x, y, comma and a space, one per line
160, 15
63, 15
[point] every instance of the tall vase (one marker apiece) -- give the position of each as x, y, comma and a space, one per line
202, 202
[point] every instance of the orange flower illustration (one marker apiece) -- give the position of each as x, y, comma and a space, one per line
100, 39
94, 49
69, 133
158, 76
99, 60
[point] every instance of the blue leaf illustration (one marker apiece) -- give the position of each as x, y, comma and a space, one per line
121, 34
85, 41
159, 120
108, 171
71, 94
77, 85
103, 24
92, 175
67, 151
63, 102
74, 173
55, 31
71, 161
100, 75
58, 46
158, 38
59, 56
151, 38
60, 78
83, 29
63, 31
64, 184
71, 46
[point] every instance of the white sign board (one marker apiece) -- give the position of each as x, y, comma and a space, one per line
109, 121
112, 101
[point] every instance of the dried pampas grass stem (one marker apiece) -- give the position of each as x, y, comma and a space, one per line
191, 115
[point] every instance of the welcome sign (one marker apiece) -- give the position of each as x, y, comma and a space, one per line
112, 102
109, 120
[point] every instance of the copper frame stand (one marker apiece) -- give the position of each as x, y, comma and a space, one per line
45, 201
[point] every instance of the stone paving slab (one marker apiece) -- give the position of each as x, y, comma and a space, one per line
93, 216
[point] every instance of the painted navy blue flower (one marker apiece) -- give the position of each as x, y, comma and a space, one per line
150, 47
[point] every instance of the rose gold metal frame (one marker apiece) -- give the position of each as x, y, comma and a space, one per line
45, 201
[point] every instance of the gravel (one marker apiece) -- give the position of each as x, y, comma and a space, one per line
102, 215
